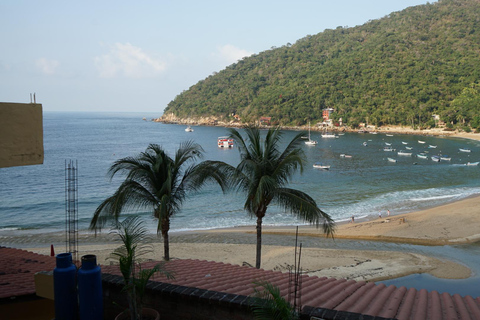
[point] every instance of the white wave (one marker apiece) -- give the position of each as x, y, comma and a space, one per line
447, 196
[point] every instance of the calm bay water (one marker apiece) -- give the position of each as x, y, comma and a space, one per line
33, 198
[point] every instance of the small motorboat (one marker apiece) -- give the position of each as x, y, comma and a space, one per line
435, 158
188, 129
328, 135
318, 165
225, 142
432, 147
420, 141
391, 160
472, 164
403, 142
409, 148
404, 153
464, 150
387, 148
422, 156
444, 157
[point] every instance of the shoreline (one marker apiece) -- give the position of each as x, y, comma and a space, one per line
392, 129
450, 224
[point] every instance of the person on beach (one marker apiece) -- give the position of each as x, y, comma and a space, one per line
380, 215
388, 213
352, 220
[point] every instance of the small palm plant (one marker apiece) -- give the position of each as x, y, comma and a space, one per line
270, 305
132, 234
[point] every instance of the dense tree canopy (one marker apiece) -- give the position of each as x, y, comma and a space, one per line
400, 69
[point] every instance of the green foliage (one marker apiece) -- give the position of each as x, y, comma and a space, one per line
132, 234
270, 305
399, 69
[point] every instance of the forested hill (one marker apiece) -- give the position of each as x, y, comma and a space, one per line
399, 69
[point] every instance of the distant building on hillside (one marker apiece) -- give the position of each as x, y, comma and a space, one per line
265, 121
326, 113
437, 120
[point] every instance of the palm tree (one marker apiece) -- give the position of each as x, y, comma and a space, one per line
264, 172
158, 182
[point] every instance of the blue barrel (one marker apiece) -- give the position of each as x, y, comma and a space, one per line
65, 288
90, 295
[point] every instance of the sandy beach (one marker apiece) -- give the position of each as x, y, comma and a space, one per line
454, 223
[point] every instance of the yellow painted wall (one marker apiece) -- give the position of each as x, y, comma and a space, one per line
21, 134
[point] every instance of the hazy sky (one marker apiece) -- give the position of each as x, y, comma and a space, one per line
138, 55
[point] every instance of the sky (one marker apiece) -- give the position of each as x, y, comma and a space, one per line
137, 56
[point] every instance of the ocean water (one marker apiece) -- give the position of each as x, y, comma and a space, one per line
32, 198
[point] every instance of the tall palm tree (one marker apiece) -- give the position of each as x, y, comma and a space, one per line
263, 173
158, 182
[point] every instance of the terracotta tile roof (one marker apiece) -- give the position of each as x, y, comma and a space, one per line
17, 270
336, 294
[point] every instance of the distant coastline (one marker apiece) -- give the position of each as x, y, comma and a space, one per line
213, 121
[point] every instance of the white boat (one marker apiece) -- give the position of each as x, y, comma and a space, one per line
420, 141
388, 148
188, 129
389, 135
404, 142
310, 142
409, 148
328, 135
435, 158
388, 144
373, 132
318, 165
472, 163
343, 155
432, 147
404, 153
464, 150
422, 156
392, 160
444, 157
225, 142
365, 144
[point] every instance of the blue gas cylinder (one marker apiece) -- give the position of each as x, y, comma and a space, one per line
65, 288
90, 295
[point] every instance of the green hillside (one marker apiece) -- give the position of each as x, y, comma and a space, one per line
399, 69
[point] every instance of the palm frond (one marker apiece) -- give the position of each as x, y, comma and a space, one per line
305, 208
270, 305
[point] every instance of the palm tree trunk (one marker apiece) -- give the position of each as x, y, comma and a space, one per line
259, 243
166, 244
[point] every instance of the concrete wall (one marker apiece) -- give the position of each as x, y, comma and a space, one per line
21, 134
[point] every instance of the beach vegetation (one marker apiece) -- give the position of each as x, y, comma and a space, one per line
157, 182
263, 175
132, 233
